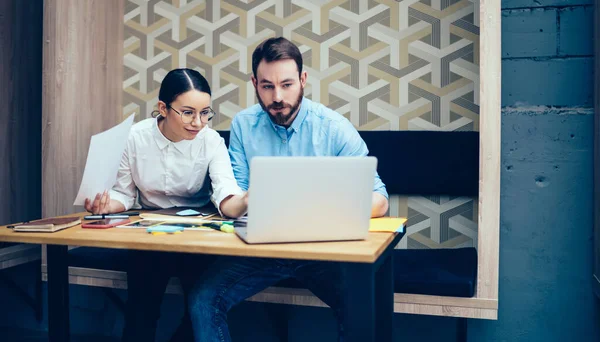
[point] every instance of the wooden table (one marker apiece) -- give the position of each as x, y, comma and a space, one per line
368, 269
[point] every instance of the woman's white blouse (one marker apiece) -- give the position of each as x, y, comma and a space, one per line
169, 174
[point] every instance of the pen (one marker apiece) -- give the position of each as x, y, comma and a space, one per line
224, 227
230, 222
16, 224
104, 216
129, 213
164, 233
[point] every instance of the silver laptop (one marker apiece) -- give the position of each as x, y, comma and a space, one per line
297, 199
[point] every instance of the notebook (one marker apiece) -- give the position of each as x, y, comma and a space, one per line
387, 224
48, 225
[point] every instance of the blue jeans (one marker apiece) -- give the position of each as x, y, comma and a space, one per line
229, 281
147, 278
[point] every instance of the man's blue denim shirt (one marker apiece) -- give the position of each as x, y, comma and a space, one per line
316, 131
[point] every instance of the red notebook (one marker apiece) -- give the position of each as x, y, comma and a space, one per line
48, 225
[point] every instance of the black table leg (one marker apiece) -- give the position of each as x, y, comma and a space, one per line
39, 297
359, 298
58, 293
369, 297
384, 299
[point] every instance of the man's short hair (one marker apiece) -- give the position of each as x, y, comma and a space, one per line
275, 49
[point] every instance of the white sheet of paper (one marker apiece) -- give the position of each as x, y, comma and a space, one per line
103, 159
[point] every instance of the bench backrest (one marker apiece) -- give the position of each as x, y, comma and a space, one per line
423, 162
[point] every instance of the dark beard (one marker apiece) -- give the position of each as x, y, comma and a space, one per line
279, 118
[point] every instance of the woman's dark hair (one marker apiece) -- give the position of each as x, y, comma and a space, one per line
274, 49
179, 81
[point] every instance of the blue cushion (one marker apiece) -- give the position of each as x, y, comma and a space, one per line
99, 258
441, 272
455, 151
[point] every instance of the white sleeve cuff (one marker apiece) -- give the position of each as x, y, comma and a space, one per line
125, 200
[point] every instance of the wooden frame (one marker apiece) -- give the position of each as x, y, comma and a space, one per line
403, 303
489, 151
484, 304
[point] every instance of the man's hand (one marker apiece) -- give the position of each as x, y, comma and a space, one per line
379, 205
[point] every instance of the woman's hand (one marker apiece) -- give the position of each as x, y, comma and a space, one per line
100, 204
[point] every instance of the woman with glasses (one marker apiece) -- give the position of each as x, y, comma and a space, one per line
171, 160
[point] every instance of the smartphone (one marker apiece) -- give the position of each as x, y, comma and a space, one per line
106, 223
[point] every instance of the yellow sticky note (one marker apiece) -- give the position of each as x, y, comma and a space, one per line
387, 224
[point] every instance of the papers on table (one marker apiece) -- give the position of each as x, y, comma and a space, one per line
104, 157
145, 224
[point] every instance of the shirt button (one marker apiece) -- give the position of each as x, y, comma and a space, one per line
284, 141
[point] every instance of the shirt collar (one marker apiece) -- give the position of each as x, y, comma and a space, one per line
295, 126
182, 146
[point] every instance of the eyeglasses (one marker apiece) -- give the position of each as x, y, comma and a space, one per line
187, 116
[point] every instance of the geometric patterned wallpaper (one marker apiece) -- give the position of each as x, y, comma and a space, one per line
384, 64
437, 221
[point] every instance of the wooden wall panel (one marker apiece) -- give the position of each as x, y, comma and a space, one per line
20, 96
82, 75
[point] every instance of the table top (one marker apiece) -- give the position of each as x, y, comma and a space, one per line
206, 242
